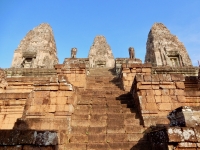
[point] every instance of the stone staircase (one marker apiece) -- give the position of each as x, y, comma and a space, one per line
104, 117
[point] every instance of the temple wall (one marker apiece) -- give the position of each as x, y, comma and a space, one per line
40, 99
129, 72
76, 74
157, 94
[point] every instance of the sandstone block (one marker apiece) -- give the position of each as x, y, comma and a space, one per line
67, 87
80, 123
97, 130
134, 129
166, 99
61, 100
115, 122
155, 87
97, 123
167, 86
157, 92
149, 92
172, 92
116, 138
53, 100
41, 94
164, 106
115, 129
139, 77
132, 121
79, 130
147, 78
52, 108
94, 138
174, 99
150, 99
181, 99
64, 93
144, 87
167, 77
165, 92
97, 146
155, 78
177, 77
79, 139
143, 92
158, 98
179, 92
180, 85
98, 111
134, 137
151, 106
38, 101
53, 94
146, 70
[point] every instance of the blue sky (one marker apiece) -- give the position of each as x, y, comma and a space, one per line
75, 23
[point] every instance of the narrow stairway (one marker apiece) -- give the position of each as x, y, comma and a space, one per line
104, 117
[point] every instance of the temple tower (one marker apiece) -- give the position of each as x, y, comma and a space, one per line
100, 54
164, 49
37, 49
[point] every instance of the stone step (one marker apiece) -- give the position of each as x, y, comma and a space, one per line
108, 129
13, 95
119, 92
102, 84
92, 87
100, 110
103, 88
142, 145
102, 120
106, 138
106, 81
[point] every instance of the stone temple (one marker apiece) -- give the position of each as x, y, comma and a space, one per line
100, 102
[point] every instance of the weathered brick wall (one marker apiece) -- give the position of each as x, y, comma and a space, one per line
75, 73
130, 70
38, 103
11, 108
50, 105
157, 94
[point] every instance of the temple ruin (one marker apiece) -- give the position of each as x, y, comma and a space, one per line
100, 54
37, 49
164, 49
100, 102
